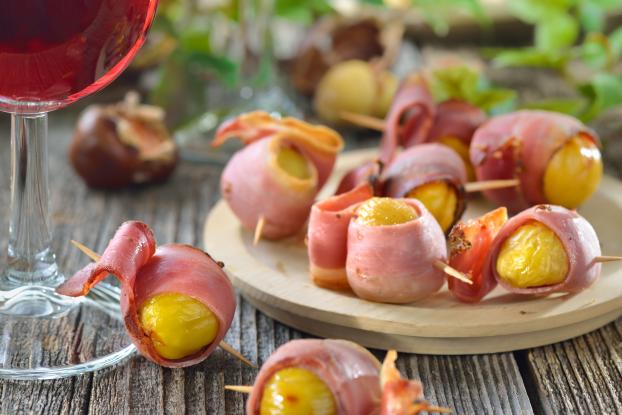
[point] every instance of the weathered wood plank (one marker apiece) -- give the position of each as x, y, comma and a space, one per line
581, 375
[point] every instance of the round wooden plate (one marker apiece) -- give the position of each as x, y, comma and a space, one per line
273, 276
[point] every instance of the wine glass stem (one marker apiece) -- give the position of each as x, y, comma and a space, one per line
30, 258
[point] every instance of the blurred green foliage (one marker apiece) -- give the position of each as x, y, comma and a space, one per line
568, 34
181, 49
435, 12
465, 84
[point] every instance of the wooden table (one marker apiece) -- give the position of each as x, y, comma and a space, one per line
583, 375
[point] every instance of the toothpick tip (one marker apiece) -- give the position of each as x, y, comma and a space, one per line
233, 352
259, 229
452, 272
239, 388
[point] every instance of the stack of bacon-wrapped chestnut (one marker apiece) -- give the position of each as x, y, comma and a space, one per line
392, 232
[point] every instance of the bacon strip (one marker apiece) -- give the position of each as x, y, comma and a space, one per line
457, 119
469, 243
255, 187
318, 143
520, 145
144, 271
369, 172
423, 164
349, 371
399, 396
327, 237
395, 264
131, 248
410, 117
577, 236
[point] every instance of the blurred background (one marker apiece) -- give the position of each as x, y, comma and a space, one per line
208, 60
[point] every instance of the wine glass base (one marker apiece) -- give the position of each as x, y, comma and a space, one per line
44, 335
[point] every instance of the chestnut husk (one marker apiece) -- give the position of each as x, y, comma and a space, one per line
119, 145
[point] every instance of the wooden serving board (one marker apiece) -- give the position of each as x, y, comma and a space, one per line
273, 276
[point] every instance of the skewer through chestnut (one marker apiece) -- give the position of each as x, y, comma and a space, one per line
353, 236
542, 250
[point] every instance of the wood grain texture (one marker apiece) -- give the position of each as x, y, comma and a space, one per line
579, 376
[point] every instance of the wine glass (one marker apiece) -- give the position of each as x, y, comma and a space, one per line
52, 53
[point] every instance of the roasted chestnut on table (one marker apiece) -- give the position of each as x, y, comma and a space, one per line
122, 144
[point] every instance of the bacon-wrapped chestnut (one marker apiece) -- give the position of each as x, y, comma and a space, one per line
469, 243
555, 157
277, 175
433, 174
333, 377
312, 376
545, 249
327, 237
177, 303
393, 245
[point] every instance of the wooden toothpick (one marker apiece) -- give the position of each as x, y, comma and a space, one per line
225, 346
229, 349
607, 258
259, 229
239, 388
490, 184
452, 272
363, 120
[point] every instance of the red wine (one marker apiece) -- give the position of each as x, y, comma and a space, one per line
53, 52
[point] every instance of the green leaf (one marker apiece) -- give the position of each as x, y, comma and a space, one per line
458, 82
604, 91
596, 51
493, 98
592, 16
559, 31
301, 11
536, 11
570, 106
530, 57
465, 84
192, 41
615, 43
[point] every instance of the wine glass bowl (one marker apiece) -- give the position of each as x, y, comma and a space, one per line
52, 53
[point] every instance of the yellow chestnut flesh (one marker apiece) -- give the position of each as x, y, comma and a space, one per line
354, 86
293, 163
381, 211
177, 324
533, 256
573, 173
463, 151
295, 391
440, 199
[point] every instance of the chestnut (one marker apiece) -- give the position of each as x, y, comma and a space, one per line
122, 144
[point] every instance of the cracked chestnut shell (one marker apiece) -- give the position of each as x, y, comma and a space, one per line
118, 145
